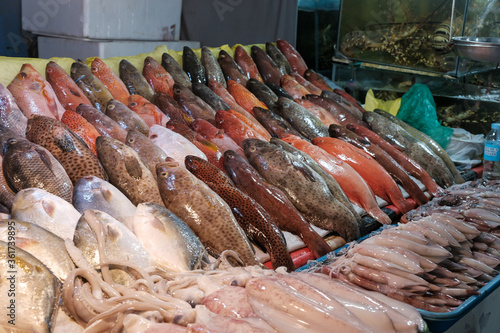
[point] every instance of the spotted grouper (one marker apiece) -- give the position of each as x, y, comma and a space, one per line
258, 224
203, 210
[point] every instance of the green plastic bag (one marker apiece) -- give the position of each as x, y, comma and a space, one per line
419, 110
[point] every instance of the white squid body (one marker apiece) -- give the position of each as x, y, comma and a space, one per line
174, 144
46, 210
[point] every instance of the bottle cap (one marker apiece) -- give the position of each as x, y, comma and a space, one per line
495, 126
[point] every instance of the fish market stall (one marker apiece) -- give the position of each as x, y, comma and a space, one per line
185, 191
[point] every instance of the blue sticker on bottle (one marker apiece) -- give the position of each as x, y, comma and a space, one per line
492, 152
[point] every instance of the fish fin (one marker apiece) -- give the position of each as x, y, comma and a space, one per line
112, 232
75, 92
107, 194
49, 208
364, 141
303, 169
133, 167
45, 157
63, 139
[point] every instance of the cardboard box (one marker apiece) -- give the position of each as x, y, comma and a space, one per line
100, 19
85, 48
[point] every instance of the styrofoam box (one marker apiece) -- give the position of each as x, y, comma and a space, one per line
104, 19
49, 47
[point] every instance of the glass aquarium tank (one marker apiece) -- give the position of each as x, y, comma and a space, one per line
415, 34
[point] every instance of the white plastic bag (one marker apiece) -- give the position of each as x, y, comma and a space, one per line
466, 149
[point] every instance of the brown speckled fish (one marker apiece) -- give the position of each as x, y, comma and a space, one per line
102, 123
81, 127
27, 165
69, 149
255, 220
91, 86
126, 118
168, 62
274, 201
127, 172
150, 153
135, 82
147, 111
204, 211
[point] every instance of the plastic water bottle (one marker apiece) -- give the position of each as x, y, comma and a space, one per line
491, 164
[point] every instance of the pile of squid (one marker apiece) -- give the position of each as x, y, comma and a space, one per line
443, 253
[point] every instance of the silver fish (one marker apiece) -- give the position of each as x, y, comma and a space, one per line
41, 243
10, 114
30, 292
168, 239
95, 193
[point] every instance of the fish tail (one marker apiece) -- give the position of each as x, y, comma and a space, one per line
379, 215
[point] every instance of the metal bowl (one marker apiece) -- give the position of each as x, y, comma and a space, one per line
485, 49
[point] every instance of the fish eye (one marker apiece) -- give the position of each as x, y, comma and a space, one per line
154, 136
49, 70
164, 174
131, 140
28, 128
111, 107
23, 75
252, 149
94, 69
133, 104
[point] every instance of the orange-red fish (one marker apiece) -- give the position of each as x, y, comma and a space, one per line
157, 76
353, 185
109, 78
147, 111
254, 125
235, 128
293, 56
66, 90
380, 181
81, 127
316, 79
244, 97
306, 84
216, 136
246, 63
34, 95
293, 88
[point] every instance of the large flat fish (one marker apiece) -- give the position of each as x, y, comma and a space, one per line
274, 201
92, 87
97, 194
192, 65
127, 172
126, 118
352, 184
204, 211
46, 210
231, 69
110, 79
246, 63
34, 95
11, 115
169, 241
135, 82
257, 223
412, 147
158, 78
173, 144
303, 186
102, 238
395, 170
40, 243
105, 125
430, 142
26, 310
306, 123
379, 180
212, 68
65, 88
173, 67
71, 151
150, 153
28, 165
81, 127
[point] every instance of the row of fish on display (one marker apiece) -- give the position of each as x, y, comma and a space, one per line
440, 254
145, 178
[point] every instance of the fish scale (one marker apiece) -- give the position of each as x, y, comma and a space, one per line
71, 151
